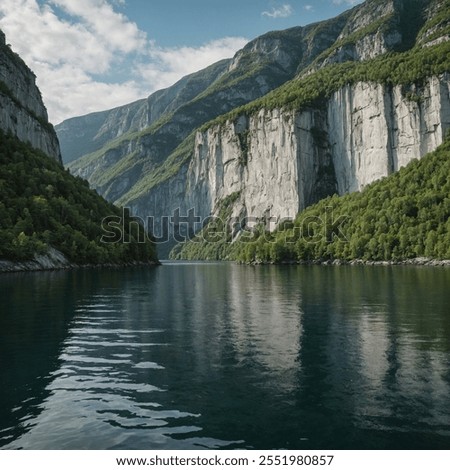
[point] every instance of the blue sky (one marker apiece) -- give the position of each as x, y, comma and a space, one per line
198, 21
91, 55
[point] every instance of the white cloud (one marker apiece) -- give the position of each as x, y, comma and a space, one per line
167, 65
107, 25
309, 8
347, 2
75, 57
282, 11
69, 92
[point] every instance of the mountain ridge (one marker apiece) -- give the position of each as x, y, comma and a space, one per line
278, 51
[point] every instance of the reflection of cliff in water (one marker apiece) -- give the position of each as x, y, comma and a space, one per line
383, 339
243, 326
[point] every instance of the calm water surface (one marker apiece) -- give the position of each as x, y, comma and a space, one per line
190, 356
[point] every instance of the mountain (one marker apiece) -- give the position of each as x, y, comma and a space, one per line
49, 218
82, 135
295, 116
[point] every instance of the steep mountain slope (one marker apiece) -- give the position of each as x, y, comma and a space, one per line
48, 218
81, 135
260, 67
370, 93
21, 108
86, 134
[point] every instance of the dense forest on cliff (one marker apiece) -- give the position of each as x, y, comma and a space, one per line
42, 206
403, 216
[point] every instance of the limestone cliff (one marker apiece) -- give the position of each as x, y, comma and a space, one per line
22, 110
291, 159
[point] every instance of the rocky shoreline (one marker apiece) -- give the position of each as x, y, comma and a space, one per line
408, 262
361, 262
54, 260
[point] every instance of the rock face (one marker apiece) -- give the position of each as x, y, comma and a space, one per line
22, 110
53, 259
374, 130
291, 159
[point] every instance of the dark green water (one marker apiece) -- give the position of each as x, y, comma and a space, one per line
188, 356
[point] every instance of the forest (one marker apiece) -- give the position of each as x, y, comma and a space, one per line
42, 205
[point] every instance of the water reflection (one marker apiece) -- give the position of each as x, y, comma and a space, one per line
385, 361
226, 356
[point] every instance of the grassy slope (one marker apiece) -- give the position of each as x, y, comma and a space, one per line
391, 69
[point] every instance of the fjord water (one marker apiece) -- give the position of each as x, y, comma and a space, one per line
192, 356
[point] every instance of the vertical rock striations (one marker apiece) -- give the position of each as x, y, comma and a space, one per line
375, 129
279, 162
22, 111
366, 132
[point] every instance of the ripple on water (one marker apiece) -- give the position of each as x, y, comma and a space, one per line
99, 390
148, 365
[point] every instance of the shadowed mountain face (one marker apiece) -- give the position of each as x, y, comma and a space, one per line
82, 135
22, 111
163, 153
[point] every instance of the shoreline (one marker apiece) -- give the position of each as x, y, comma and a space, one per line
54, 260
359, 262
10, 267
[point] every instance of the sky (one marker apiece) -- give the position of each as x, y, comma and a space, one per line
92, 55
